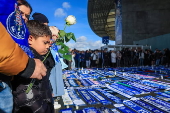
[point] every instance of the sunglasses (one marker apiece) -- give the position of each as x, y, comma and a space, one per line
23, 14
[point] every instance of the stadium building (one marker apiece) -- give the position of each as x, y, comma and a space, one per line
131, 22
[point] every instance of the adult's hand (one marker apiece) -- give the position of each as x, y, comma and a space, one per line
39, 70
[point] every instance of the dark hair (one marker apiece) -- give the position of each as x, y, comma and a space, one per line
24, 2
38, 29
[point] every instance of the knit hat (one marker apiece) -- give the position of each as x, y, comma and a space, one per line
40, 17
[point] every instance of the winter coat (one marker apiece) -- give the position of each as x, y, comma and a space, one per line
39, 99
13, 59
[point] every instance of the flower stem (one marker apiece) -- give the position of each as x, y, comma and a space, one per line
33, 80
65, 27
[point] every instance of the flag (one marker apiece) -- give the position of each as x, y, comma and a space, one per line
11, 18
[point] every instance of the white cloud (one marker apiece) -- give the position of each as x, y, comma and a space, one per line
81, 39
59, 12
83, 44
66, 5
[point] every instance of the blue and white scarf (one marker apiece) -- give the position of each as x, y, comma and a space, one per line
11, 18
58, 58
55, 48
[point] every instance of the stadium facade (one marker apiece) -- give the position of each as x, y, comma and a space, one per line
130, 22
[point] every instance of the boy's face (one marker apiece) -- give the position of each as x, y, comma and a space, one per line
41, 44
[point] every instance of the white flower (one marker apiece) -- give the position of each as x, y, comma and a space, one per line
70, 20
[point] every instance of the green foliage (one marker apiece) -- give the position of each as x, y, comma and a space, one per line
65, 37
61, 51
68, 57
68, 37
73, 37
62, 33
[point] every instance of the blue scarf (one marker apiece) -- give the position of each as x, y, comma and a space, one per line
55, 48
11, 18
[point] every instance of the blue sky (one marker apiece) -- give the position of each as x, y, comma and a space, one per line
58, 10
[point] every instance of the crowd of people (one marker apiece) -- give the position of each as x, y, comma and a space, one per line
121, 58
30, 66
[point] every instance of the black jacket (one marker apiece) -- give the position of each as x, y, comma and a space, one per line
40, 96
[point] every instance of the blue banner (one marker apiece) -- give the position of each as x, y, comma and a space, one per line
118, 23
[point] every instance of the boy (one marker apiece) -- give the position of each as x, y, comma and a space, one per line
39, 98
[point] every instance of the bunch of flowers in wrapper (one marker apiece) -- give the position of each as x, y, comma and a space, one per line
66, 37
